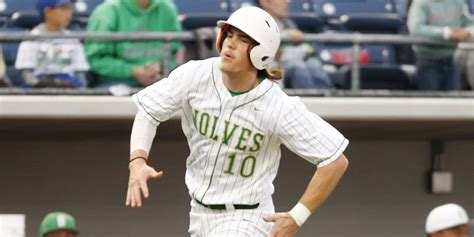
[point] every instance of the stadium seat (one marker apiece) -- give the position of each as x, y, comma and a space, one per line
8, 7
236, 4
300, 6
25, 19
401, 7
470, 4
339, 55
296, 6
337, 8
389, 77
307, 21
192, 21
85, 7
372, 23
204, 13
10, 50
202, 6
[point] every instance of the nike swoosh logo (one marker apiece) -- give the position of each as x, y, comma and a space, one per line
258, 109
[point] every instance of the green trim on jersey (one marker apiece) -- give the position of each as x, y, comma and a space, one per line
233, 93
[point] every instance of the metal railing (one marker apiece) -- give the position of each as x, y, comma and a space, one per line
356, 39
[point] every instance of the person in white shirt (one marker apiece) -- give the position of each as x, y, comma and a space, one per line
57, 62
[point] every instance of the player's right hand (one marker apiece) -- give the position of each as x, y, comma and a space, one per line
140, 173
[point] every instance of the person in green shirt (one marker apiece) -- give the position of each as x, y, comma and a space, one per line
138, 63
438, 19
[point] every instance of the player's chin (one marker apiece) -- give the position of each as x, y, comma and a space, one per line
227, 67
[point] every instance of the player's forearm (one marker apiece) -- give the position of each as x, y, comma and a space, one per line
141, 139
323, 183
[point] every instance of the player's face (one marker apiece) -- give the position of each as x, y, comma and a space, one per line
234, 52
60, 16
458, 231
61, 233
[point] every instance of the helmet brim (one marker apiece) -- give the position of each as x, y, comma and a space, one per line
222, 23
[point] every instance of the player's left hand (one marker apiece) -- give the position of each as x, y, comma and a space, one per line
285, 225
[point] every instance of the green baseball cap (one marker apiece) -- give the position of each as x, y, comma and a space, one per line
57, 221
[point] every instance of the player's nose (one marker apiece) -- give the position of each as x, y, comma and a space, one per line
230, 43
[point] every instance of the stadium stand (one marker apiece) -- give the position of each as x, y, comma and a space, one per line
401, 8
375, 76
337, 8
197, 14
202, 6
85, 7
8, 7
311, 16
21, 21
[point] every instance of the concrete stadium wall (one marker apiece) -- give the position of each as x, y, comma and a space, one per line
85, 174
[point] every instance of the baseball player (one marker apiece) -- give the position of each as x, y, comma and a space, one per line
58, 224
448, 220
235, 117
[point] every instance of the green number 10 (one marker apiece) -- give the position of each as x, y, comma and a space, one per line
243, 171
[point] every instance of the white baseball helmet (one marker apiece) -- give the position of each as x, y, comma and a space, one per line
258, 25
444, 217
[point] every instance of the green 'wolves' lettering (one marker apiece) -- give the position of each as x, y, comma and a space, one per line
203, 127
228, 135
247, 139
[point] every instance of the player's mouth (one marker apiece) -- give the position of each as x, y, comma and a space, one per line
227, 56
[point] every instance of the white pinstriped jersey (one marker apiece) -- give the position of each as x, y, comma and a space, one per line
235, 141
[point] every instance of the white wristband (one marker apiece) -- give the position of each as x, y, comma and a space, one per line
300, 213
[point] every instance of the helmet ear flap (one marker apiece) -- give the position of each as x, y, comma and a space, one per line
260, 57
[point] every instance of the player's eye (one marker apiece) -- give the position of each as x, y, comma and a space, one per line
245, 40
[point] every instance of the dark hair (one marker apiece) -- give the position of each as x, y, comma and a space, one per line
257, 3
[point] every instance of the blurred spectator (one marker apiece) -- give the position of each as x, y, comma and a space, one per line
58, 224
57, 62
302, 68
438, 19
464, 59
132, 63
3, 75
448, 220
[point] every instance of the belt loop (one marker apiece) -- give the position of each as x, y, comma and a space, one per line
229, 207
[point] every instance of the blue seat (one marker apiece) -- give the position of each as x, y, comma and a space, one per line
10, 50
341, 54
236, 4
297, 6
202, 6
307, 22
372, 77
470, 4
372, 23
25, 19
401, 7
192, 21
337, 8
203, 13
85, 7
8, 7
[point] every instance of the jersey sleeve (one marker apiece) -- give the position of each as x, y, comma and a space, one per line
79, 60
161, 100
27, 55
309, 136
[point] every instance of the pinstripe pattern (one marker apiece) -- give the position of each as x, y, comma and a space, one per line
235, 140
